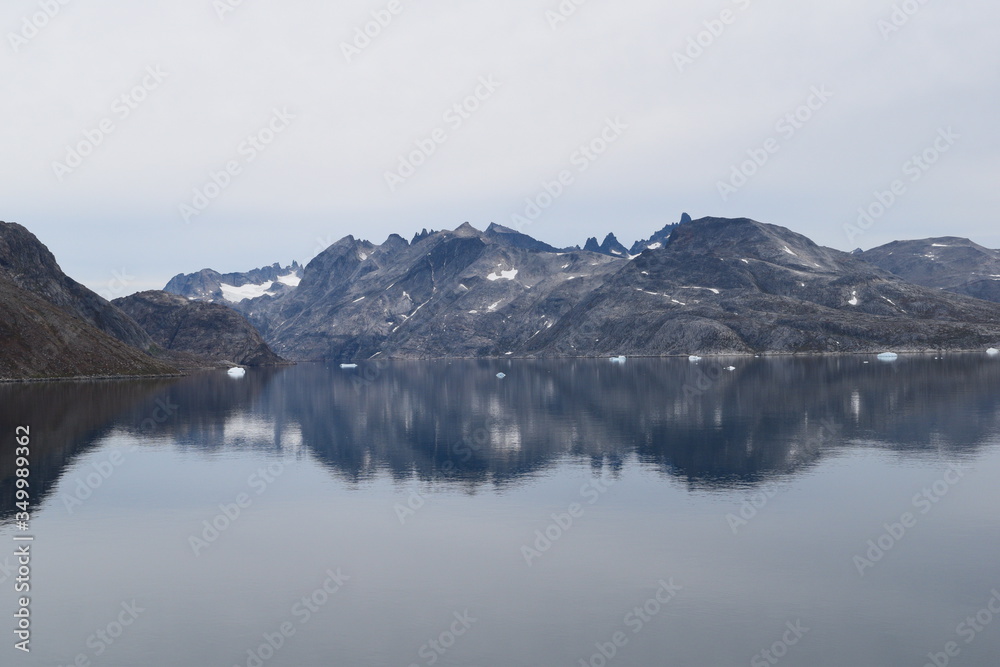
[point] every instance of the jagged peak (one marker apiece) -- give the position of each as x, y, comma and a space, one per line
417, 238
466, 229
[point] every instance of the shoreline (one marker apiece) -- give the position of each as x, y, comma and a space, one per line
703, 355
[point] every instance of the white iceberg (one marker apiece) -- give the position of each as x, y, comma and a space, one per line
694, 358
888, 356
730, 368
618, 360
993, 352
501, 375
348, 365
236, 372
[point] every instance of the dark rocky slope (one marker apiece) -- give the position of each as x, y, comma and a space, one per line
39, 340
723, 285
460, 293
949, 263
714, 285
28, 264
53, 327
210, 330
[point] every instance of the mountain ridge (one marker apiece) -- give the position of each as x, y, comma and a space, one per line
721, 286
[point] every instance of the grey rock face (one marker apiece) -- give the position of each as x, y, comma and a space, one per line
210, 330
711, 286
52, 326
740, 286
27, 263
659, 239
950, 263
460, 293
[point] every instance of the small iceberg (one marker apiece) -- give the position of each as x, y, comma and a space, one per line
730, 368
888, 356
348, 365
694, 358
236, 372
993, 352
501, 375
618, 360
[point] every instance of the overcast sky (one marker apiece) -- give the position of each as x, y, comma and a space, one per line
116, 115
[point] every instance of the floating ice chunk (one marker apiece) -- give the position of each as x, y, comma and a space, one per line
730, 368
501, 375
993, 352
694, 358
236, 372
348, 365
618, 360
888, 356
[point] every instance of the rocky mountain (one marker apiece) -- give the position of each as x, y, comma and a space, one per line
659, 239
39, 340
610, 246
52, 326
948, 263
209, 285
722, 285
451, 293
713, 285
28, 264
210, 330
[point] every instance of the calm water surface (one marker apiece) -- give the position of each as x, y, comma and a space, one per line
824, 511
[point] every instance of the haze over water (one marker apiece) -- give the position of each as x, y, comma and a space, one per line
661, 512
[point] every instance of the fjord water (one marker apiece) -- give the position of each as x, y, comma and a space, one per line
793, 511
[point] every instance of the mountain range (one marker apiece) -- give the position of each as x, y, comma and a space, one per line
53, 327
708, 286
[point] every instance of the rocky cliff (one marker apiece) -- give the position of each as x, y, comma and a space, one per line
210, 330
